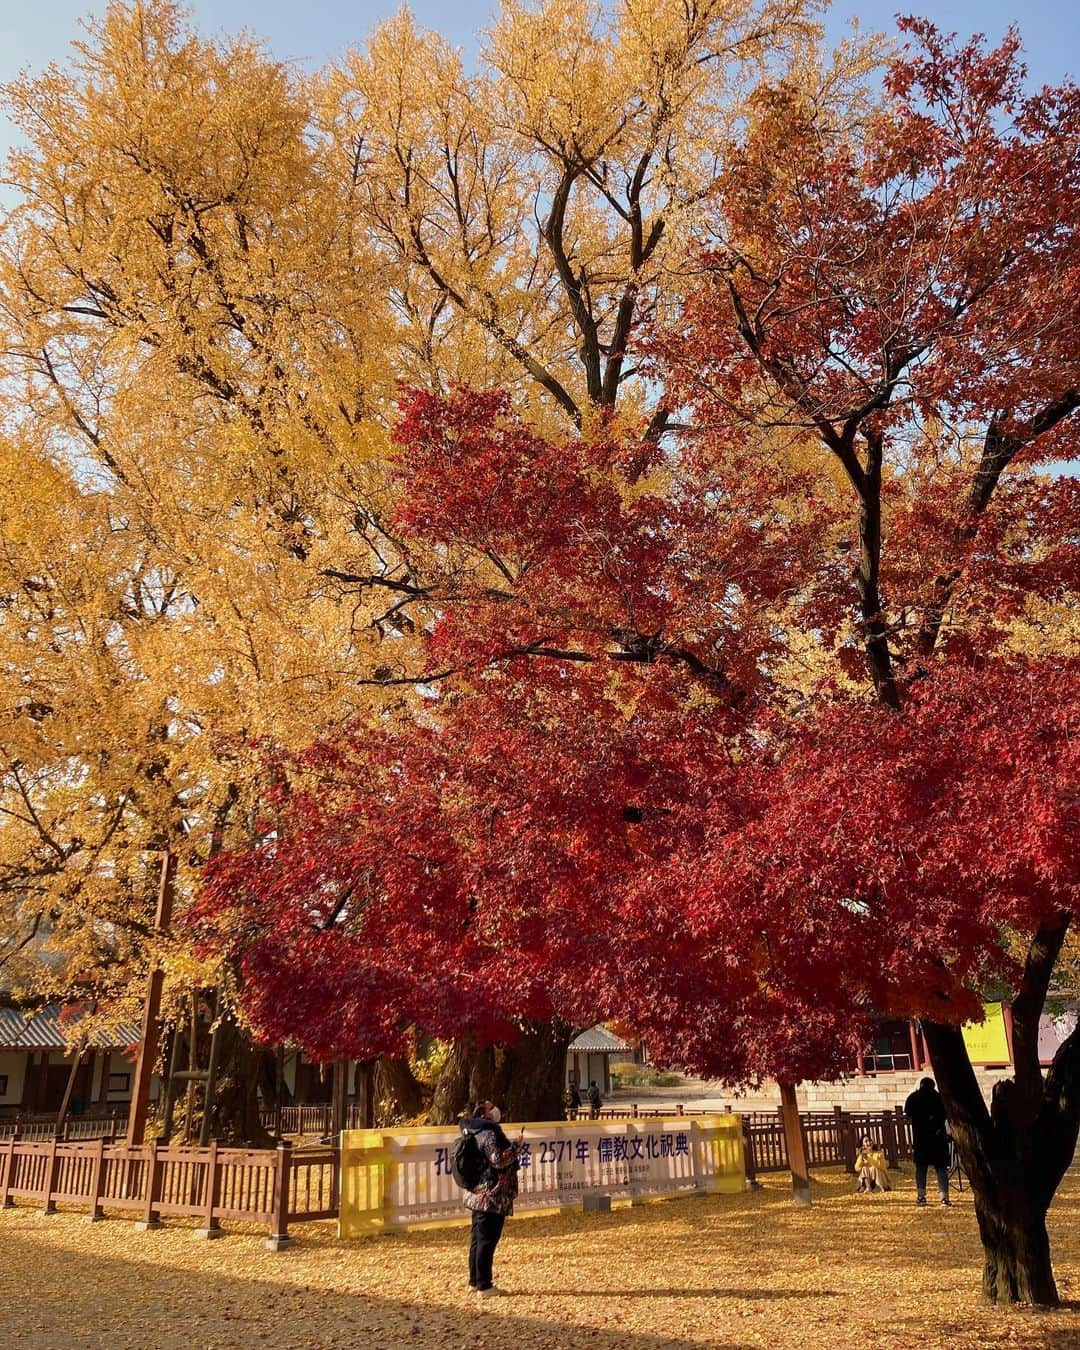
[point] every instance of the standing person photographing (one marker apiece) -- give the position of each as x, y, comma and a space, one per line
485, 1164
929, 1137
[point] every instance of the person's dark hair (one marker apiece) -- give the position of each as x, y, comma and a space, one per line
927, 1083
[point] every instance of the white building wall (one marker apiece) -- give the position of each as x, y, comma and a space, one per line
12, 1067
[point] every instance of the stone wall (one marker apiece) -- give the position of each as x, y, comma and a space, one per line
881, 1091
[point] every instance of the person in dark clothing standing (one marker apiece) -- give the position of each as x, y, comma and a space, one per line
492, 1199
595, 1101
926, 1111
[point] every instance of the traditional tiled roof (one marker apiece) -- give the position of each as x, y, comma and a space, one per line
42, 1030
598, 1041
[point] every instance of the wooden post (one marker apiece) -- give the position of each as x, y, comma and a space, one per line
65, 1104
888, 1137
7, 1175
170, 1086
211, 1073
1007, 1018
846, 1131
338, 1085
97, 1182
151, 1219
279, 1237
796, 1144
916, 1057
103, 1087
211, 1228
52, 1167
144, 1066
902, 1148
279, 1087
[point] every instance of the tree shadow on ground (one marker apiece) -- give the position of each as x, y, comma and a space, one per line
86, 1301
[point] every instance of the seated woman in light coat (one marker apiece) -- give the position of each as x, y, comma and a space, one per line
871, 1169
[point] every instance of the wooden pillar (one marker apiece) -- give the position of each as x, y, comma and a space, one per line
1007, 1018
148, 1040
339, 1083
916, 1057
279, 1087
796, 1144
211, 1073
39, 1100
103, 1087
73, 1075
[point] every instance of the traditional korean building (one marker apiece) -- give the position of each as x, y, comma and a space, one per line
893, 1062
36, 1060
589, 1057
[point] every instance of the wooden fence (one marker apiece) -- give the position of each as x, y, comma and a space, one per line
268, 1187
832, 1138
311, 1120
29, 1128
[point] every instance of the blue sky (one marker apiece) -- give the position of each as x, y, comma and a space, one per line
33, 32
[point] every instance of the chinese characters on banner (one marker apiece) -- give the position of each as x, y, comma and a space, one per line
576, 1163
396, 1177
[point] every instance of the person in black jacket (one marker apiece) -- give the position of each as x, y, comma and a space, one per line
926, 1111
492, 1198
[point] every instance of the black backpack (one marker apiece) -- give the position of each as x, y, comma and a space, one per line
467, 1163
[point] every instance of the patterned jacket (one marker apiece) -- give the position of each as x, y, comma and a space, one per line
499, 1184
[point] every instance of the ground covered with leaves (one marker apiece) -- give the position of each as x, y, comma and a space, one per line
730, 1271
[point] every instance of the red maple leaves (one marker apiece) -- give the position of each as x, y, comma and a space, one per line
718, 740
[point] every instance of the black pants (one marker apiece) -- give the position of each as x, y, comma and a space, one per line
486, 1231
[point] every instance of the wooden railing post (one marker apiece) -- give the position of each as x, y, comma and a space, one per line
888, 1133
97, 1182
279, 1237
211, 1228
848, 1147
52, 1167
151, 1219
903, 1147
7, 1175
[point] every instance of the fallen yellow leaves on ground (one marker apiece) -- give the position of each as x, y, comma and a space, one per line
729, 1271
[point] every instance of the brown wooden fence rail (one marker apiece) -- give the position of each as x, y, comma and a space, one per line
27, 1128
269, 1187
310, 1120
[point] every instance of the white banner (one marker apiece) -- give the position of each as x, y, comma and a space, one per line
391, 1178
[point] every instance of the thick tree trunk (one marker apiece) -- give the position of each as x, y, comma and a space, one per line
398, 1094
531, 1073
1016, 1244
234, 1112
526, 1078
1015, 1155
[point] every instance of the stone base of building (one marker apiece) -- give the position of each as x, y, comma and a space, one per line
880, 1092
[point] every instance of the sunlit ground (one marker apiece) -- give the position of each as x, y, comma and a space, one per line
722, 1271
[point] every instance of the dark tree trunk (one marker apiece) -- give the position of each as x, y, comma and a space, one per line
398, 1093
453, 1086
526, 1078
365, 1093
531, 1073
244, 1067
1016, 1152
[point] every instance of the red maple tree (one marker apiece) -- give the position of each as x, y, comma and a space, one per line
734, 739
